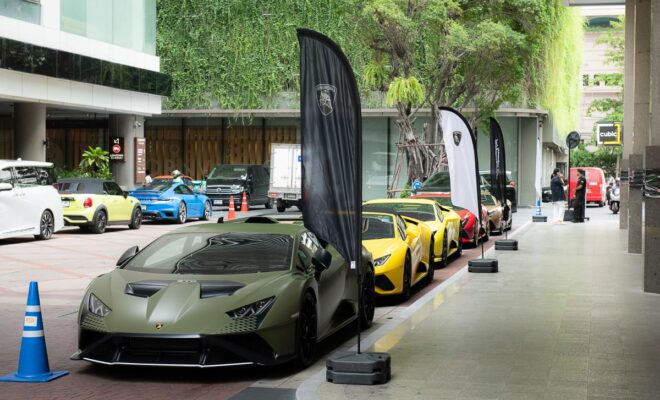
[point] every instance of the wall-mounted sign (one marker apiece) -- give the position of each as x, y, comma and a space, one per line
140, 159
117, 149
608, 134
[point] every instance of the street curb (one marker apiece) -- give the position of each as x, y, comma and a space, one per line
307, 390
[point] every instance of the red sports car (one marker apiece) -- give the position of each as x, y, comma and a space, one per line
469, 234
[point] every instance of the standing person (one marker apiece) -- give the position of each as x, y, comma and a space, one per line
147, 177
558, 196
176, 176
579, 199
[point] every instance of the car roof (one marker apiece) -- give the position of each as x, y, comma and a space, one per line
83, 179
243, 227
406, 200
24, 163
171, 177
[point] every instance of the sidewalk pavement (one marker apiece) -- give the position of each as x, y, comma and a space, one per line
565, 318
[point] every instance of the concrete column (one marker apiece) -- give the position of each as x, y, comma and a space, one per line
624, 190
652, 228
128, 127
30, 131
642, 118
635, 209
628, 108
654, 133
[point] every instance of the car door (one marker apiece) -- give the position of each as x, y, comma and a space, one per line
193, 202
413, 241
31, 204
122, 208
331, 284
110, 198
10, 205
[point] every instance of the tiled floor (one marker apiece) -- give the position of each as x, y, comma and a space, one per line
565, 318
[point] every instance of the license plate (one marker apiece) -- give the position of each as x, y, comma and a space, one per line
217, 202
290, 196
65, 203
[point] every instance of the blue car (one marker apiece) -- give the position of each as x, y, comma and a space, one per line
165, 199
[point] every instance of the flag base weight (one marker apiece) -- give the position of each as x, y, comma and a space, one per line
506, 244
483, 265
539, 218
351, 368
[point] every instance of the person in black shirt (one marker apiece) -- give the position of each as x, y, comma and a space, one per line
558, 196
579, 200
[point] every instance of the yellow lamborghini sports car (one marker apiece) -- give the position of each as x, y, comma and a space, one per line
397, 252
440, 227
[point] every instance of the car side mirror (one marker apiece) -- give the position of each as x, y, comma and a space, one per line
125, 193
128, 254
4, 186
321, 261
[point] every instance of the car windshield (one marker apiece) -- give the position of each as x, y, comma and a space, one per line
422, 212
488, 200
159, 185
437, 183
213, 254
377, 226
228, 172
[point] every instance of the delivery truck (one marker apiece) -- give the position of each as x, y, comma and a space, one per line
285, 176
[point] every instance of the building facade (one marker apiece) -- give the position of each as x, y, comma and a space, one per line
76, 73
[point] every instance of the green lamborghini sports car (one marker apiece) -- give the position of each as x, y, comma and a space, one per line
256, 291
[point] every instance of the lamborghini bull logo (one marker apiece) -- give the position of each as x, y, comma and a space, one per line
457, 137
325, 98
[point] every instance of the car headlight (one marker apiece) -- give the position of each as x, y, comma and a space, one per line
381, 260
237, 188
258, 308
97, 307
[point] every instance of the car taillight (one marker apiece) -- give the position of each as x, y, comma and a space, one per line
88, 202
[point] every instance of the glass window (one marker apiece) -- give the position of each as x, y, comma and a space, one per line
45, 176
28, 11
26, 176
5, 176
204, 253
126, 23
112, 189
158, 185
182, 189
228, 172
402, 228
309, 242
422, 212
377, 226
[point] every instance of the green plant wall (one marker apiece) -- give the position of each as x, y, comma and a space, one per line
560, 89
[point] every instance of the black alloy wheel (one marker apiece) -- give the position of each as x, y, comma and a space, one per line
306, 327
368, 299
100, 222
208, 211
46, 226
281, 207
407, 277
136, 220
182, 214
268, 205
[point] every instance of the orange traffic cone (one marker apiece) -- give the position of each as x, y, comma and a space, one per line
231, 214
244, 203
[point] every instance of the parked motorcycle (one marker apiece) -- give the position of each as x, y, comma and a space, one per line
614, 200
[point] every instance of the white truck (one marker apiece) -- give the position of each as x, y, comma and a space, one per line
285, 176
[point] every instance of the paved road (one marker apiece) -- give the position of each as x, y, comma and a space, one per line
65, 265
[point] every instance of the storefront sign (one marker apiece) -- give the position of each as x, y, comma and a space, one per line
608, 134
140, 160
117, 149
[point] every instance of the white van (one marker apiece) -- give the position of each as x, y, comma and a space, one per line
29, 203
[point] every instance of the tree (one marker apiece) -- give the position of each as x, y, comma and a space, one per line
94, 162
473, 54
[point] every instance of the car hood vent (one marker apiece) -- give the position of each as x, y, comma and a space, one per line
206, 288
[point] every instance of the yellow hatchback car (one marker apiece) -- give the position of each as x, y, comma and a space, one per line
397, 252
93, 204
440, 227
